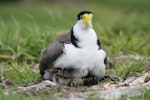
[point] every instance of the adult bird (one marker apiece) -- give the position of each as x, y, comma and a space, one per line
78, 51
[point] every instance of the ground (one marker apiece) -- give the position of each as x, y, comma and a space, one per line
26, 29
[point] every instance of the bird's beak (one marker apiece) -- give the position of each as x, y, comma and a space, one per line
87, 19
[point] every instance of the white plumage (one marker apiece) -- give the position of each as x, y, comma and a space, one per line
88, 58
79, 51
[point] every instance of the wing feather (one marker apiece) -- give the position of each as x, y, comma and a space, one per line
52, 52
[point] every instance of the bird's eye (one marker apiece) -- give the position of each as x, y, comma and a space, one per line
81, 17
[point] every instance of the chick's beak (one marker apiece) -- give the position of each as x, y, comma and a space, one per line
87, 19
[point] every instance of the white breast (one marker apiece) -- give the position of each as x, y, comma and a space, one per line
86, 36
85, 59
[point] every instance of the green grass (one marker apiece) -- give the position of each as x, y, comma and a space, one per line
19, 74
123, 28
26, 29
134, 68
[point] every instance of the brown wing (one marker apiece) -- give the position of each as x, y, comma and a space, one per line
52, 52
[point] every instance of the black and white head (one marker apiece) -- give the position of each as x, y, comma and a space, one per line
85, 18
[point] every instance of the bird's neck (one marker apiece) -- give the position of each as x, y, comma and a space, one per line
86, 36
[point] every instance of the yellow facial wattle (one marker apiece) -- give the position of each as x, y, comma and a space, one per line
87, 19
